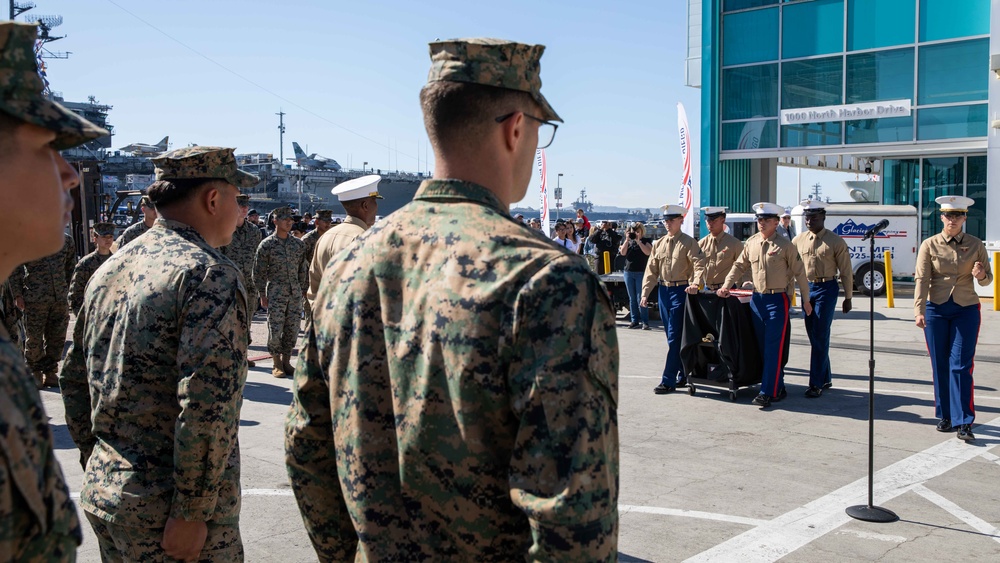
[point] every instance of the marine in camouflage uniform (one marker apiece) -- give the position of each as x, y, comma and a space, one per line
44, 287
282, 278
154, 390
324, 220
89, 264
134, 231
422, 425
38, 521
241, 251
11, 315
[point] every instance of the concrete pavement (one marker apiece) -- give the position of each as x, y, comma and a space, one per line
706, 479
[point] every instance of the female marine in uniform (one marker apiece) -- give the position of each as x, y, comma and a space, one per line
947, 308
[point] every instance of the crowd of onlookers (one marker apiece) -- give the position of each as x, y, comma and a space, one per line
303, 223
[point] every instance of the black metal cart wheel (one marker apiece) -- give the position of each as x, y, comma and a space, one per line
691, 390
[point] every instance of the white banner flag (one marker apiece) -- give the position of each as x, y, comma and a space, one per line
686, 197
543, 195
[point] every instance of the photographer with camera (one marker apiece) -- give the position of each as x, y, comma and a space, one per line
605, 240
636, 248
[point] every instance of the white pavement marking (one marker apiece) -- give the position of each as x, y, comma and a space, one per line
873, 536
958, 512
624, 509
792, 530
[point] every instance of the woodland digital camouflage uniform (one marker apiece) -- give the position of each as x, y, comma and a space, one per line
44, 285
241, 251
153, 394
447, 334
281, 275
11, 316
130, 234
38, 520
84, 270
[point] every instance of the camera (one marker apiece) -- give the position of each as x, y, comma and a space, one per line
631, 235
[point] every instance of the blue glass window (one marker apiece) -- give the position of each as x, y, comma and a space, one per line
880, 76
942, 176
811, 134
950, 19
749, 135
975, 187
750, 91
750, 37
879, 23
812, 83
888, 130
953, 72
812, 28
901, 182
957, 122
730, 5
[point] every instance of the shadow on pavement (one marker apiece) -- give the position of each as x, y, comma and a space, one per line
266, 393
625, 558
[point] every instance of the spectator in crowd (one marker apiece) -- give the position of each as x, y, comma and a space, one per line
563, 236
605, 240
636, 248
785, 227
536, 224
586, 222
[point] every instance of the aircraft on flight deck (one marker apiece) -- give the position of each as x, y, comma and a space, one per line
313, 162
142, 149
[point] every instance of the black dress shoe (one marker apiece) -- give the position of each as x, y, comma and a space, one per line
965, 433
662, 389
762, 400
814, 392
945, 426
634, 325
781, 395
827, 385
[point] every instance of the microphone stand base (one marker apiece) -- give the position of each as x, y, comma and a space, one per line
870, 513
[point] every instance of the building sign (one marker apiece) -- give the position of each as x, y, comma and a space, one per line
850, 112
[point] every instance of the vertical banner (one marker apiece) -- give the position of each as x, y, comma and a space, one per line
686, 197
543, 192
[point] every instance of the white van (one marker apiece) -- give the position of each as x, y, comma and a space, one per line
900, 238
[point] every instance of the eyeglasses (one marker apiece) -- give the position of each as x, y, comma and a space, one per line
954, 215
546, 131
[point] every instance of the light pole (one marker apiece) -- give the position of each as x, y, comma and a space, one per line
558, 195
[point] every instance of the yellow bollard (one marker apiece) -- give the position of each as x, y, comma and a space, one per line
793, 298
607, 262
889, 302
996, 282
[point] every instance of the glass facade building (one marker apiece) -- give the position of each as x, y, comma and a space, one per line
764, 60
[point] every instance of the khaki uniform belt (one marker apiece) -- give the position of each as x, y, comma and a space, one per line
673, 283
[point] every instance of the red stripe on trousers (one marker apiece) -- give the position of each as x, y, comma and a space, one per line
781, 347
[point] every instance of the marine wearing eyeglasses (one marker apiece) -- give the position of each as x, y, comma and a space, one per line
441, 340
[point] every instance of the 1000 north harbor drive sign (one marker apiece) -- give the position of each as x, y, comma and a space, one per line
871, 110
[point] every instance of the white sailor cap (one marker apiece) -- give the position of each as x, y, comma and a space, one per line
358, 188
765, 209
812, 206
954, 203
672, 211
712, 212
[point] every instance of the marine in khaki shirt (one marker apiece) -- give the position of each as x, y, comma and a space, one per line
945, 267
360, 200
721, 248
823, 254
678, 265
947, 308
774, 265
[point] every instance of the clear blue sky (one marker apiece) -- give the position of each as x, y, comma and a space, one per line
348, 74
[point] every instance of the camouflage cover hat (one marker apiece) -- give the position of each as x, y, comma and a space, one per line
21, 90
145, 201
202, 162
491, 62
243, 200
324, 215
283, 213
104, 229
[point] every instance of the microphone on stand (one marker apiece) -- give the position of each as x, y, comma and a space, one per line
878, 228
